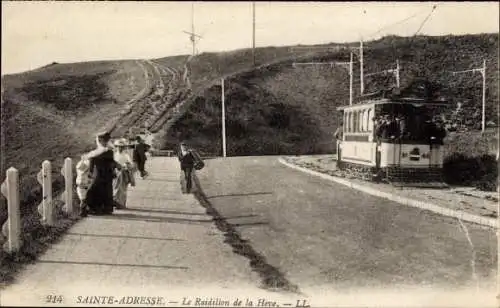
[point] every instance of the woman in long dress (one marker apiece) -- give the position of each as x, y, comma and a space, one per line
125, 175
99, 197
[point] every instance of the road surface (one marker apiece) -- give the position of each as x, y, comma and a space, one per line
255, 229
319, 234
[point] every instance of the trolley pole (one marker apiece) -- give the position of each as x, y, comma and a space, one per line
481, 70
223, 120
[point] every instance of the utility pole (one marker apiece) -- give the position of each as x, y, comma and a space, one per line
350, 79
223, 120
397, 73
253, 32
192, 35
361, 68
483, 73
481, 70
193, 39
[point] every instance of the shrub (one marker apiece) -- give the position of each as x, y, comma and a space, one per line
478, 171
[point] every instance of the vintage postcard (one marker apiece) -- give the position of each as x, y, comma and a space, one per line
249, 154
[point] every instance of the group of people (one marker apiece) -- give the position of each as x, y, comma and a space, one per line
399, 127
105, 173
389, 126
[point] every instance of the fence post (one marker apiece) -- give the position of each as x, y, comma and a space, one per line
67, 172
46, 208
12, 227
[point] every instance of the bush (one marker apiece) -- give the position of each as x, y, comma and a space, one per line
478, 171
487, 173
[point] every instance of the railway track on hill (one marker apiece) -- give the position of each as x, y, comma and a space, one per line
159, 103
168, 100
135, 106
177, 94
149, 108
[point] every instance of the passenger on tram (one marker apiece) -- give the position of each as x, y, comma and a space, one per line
380, 127
403, 130
392, 130
438, 131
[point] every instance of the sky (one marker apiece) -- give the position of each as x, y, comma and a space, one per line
38, 33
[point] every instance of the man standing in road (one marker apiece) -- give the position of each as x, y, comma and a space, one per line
187, 160
140, 157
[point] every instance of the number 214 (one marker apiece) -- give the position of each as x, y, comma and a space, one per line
55, 299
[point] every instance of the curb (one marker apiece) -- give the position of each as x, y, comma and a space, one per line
490, 222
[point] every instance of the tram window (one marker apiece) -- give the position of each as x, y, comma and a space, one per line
355, 122
360, 124
360, 121
361, 115
363, 121
369, 120
348, 121
351, 121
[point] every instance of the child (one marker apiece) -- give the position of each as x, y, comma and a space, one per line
83, 182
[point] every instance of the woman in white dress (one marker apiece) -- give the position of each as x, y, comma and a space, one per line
125, 175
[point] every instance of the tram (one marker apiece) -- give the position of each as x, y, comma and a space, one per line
394, 136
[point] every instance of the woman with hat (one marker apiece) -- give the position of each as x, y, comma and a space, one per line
102, 165
125, 175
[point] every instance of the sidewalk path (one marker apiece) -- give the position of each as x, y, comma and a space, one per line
163, 241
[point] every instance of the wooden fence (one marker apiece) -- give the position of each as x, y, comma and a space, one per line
11, 229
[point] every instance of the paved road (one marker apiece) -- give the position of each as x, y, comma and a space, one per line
319, 234
256, 225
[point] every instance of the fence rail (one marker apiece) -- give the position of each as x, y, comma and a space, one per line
11, 229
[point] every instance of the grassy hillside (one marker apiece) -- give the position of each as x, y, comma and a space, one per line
306, 97
53, 112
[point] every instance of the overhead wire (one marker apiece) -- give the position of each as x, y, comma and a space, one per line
386, 75
396, 23
386, 72
425, 20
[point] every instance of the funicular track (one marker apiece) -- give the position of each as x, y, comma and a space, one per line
135, 107
159, 104
148, 109
176, 93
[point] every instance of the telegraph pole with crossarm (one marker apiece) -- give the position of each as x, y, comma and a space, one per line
331, 64
481, 70
192, 35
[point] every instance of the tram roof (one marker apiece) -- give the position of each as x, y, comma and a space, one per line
417, 102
